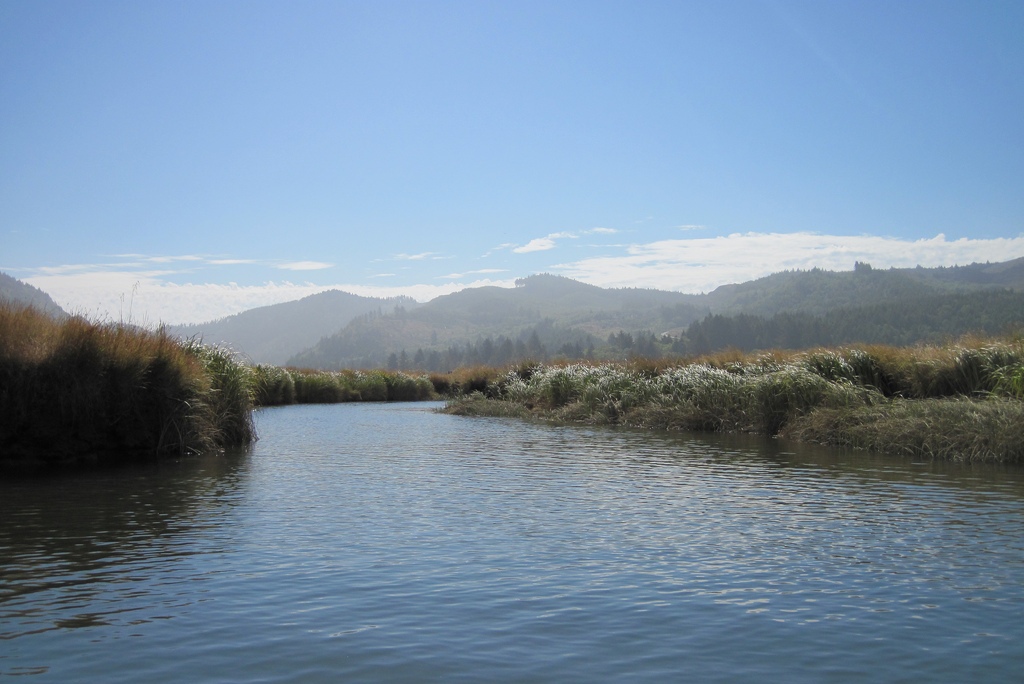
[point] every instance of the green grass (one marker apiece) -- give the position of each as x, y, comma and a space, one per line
321, 387
958, 429
274, 386
960, 402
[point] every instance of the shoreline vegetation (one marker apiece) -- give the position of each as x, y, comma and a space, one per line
963, 401
81, 393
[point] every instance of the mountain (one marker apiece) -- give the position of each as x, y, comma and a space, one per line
818, 291
272, 334
558, 310
1007, 274
552, 315
932, 318
18, 292
596, 310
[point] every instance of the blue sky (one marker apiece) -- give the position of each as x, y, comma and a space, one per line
188, 160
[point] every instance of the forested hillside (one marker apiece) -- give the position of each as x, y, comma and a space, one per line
928, 318
18, 292
547, 317
818, 291
543, 315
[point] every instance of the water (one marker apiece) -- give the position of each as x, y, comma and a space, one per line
389, 543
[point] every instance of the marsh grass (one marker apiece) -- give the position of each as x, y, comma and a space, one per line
466, 380
959, 402
230, 394
955, 429
326, 387
273, 386
321, 387
403, 387
76, 391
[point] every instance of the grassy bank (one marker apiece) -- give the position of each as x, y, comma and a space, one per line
274, 386
962, 402
76, 392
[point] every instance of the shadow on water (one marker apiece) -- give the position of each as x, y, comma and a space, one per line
66, 540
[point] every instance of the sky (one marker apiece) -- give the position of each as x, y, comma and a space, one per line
174, 162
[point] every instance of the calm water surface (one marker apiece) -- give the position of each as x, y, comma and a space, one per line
390, 543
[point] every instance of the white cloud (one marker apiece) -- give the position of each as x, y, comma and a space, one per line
481, 271
145, 299
171, 259
305, 266
548, 241
160, 259
700, 265
536, 245
418, 257
502, 246
140, 291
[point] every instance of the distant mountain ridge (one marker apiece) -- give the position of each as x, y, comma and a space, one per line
818, 291
582, 316
19, 292
554, 315
565, 311
272, 334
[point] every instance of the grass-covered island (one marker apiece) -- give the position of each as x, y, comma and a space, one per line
961, 401
76, 392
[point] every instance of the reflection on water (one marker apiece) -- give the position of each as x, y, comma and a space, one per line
88, 550
389, 543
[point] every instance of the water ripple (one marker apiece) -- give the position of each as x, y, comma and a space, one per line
389, 543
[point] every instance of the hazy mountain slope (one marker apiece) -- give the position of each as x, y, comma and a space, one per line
273, 334
569, 308
579, 310
1008, 274
14, 290
817, 291
931, 319
595, 310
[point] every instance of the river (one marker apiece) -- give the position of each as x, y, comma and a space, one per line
390, 543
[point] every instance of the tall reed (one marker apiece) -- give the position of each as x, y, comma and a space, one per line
326, 387
78, 391
230, 395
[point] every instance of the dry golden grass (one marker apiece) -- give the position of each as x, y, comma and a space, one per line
74, 391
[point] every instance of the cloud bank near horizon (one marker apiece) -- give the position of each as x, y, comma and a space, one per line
145, 299
702, 264
141, 292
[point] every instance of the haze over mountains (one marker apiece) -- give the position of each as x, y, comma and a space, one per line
18, 292
275, 333
547, 316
